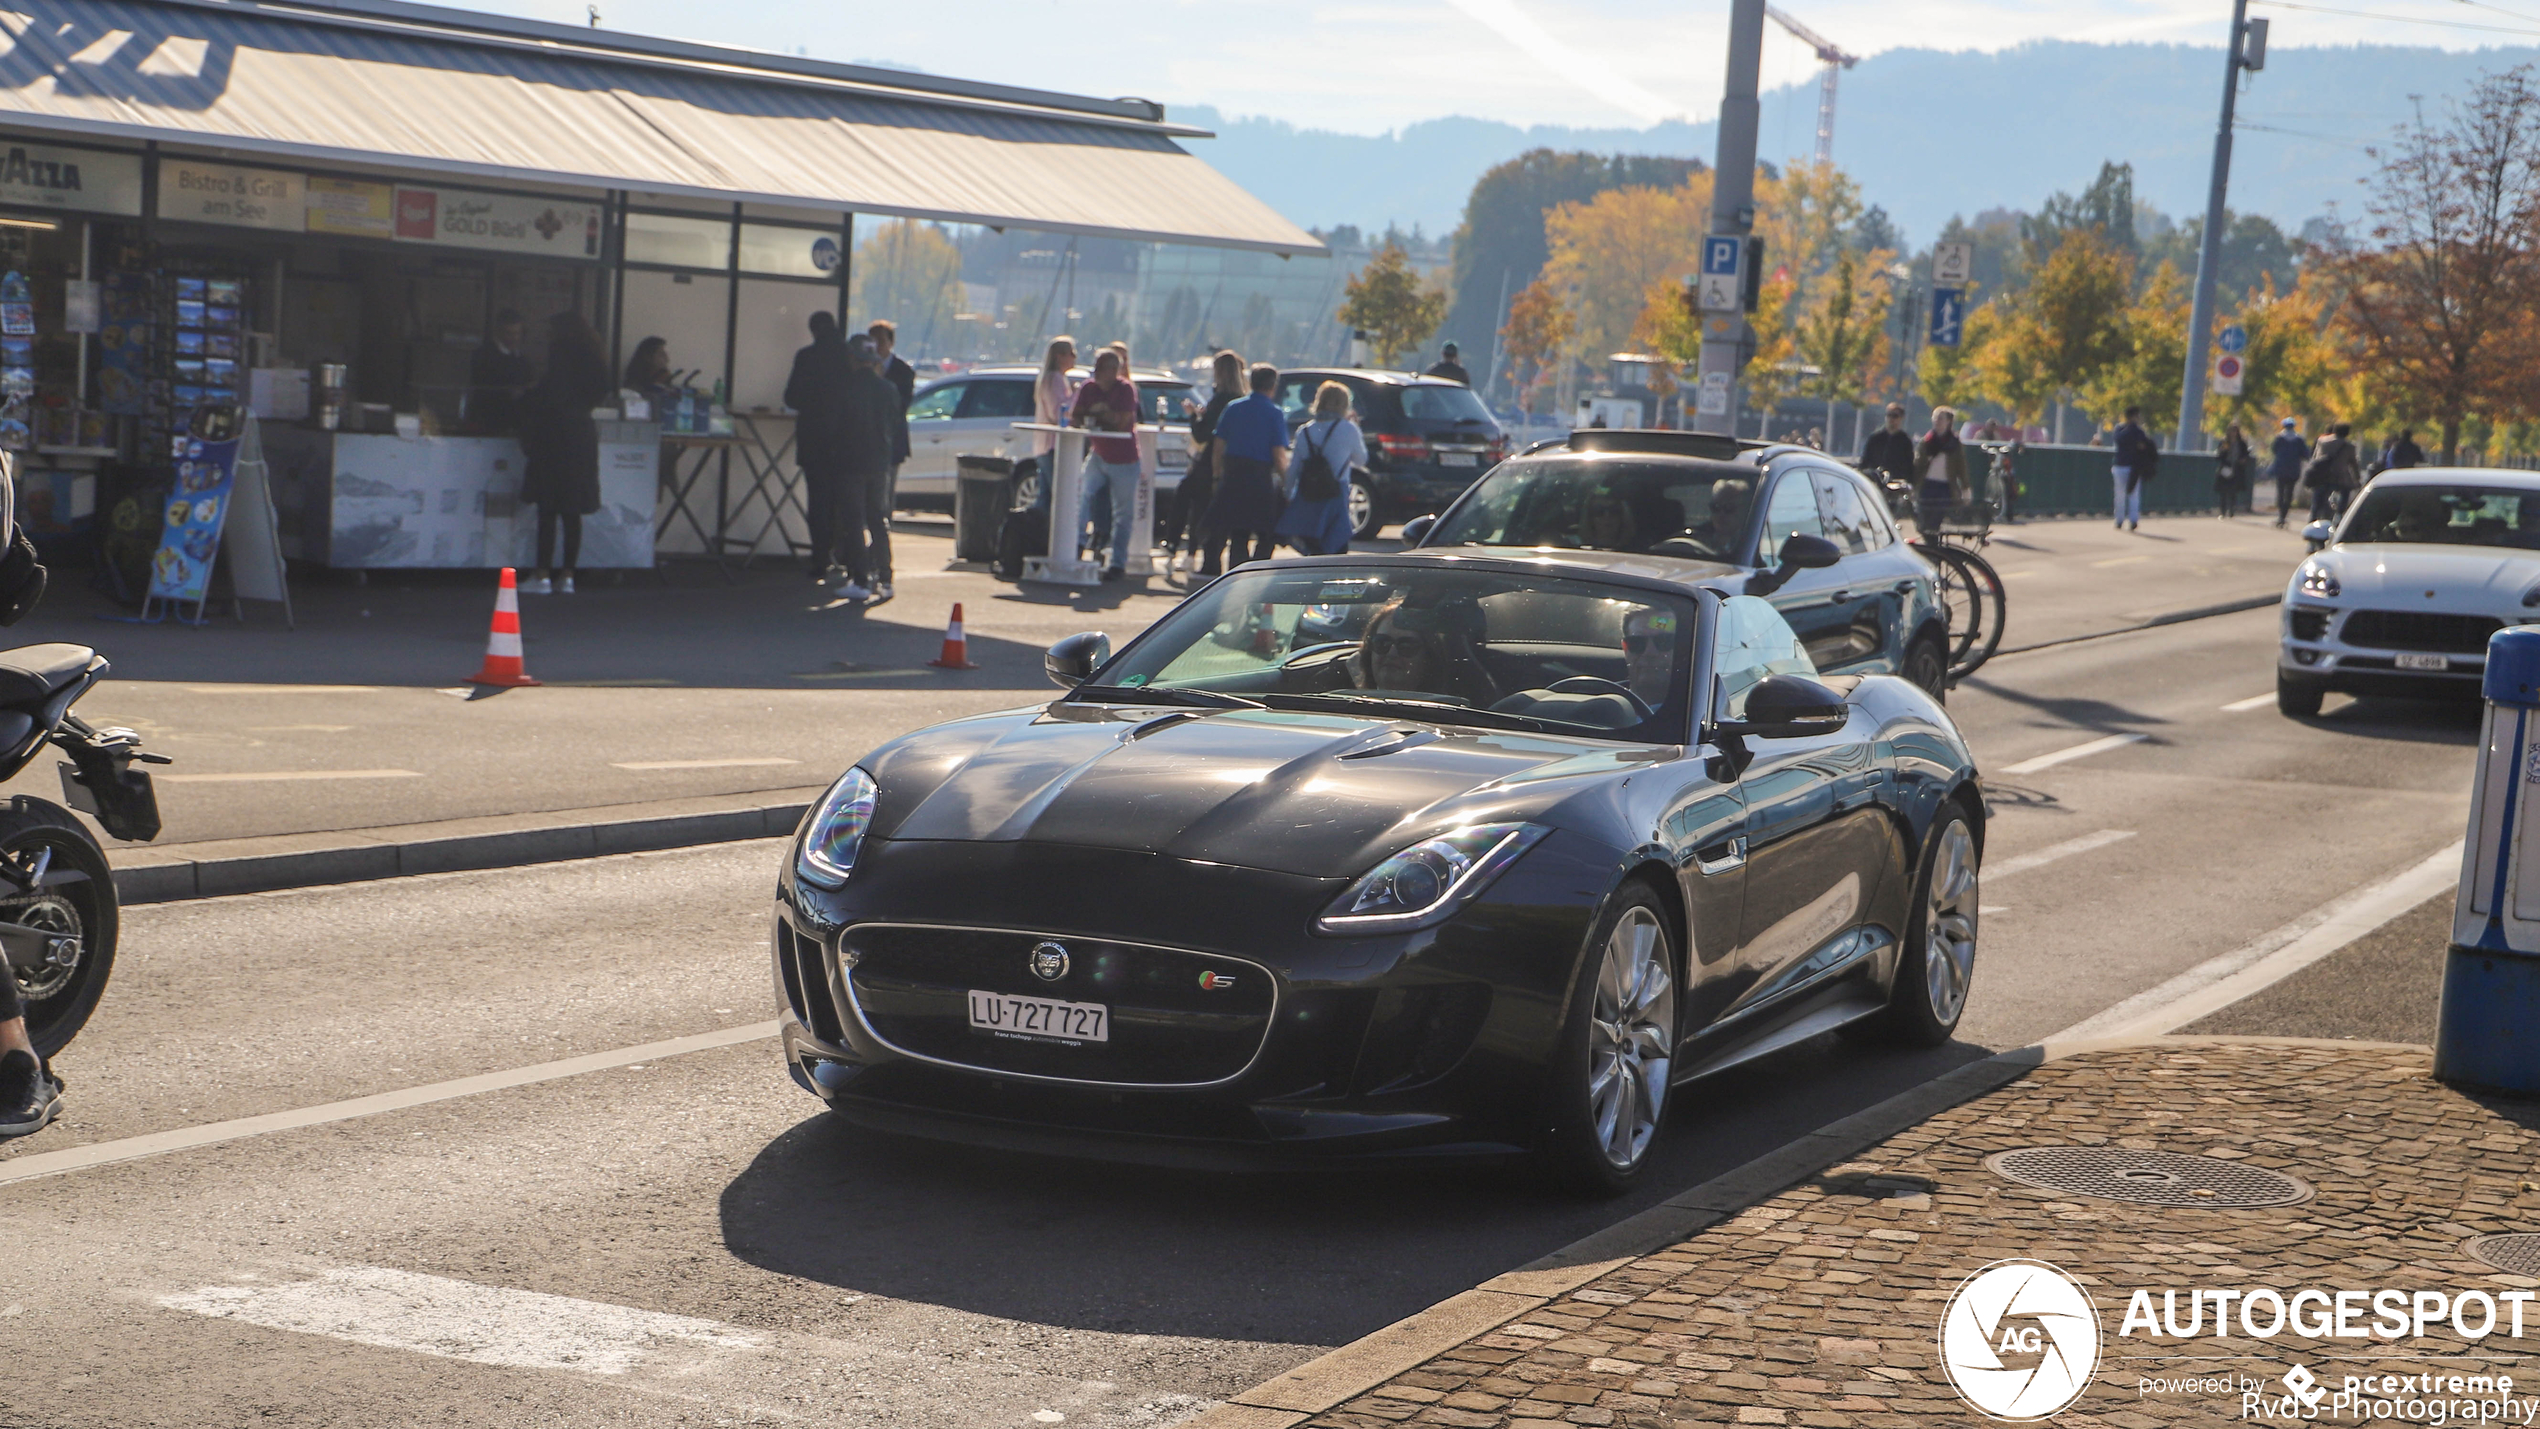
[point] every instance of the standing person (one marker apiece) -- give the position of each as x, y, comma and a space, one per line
2285, 457
1053, 396
2233, 466
1252, 458
817, 391
2137, 457
497, 373
2403, 452
1940, 473
903, 379
867, 417
1109, 403
1326, 451
561, 444
1448, 368
2333, 473
1888, 453
1199, 479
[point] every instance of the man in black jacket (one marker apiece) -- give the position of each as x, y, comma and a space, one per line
817, 391
903, 379
875, 433
1888, 453
2137, 457
1448, 368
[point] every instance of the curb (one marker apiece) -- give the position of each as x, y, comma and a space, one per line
265, 865
1343, 1374
2175, 617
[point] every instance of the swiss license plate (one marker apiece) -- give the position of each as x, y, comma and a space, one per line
1004, 1014
1458, 459
2423, 662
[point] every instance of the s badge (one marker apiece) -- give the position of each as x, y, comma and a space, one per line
1215, 982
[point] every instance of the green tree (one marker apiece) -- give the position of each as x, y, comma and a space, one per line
1500, 246
1396, 308
2151, 353
1842, 333
2290, 367
910, 273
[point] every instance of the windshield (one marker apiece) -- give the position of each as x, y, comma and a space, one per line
1695, 510
1449, 646
2447, 516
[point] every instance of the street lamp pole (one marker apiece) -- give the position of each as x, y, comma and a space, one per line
2247, 50
1724, 334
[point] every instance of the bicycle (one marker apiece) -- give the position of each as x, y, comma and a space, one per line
1970, 590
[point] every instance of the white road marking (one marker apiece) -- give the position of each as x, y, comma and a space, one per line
459, 1320
2078, 751
298, 728
2218, 982
1989, 909
2052, 852
2254, 702
287, 776
704, 763
159, 1143
282, 689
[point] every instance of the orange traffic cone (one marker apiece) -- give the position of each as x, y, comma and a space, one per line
502, 647
956, 654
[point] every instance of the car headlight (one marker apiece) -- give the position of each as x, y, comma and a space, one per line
1428, 881
835, 830
2316, 580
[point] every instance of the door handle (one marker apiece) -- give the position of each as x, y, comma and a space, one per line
1724, 857
1842, 595
1904, 587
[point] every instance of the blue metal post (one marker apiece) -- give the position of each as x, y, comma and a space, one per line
2488, 1034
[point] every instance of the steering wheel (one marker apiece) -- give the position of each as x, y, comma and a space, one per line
1599, 685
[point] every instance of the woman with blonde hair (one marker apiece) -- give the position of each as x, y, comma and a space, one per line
1053, 395
1325, 452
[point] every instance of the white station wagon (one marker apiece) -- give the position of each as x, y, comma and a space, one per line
2400, 597
973, 413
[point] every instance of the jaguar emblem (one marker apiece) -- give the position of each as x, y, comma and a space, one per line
1049, 962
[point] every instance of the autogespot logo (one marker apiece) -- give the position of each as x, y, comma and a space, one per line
2019, 1340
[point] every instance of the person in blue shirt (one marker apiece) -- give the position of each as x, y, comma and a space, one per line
1252, 460
2286, 454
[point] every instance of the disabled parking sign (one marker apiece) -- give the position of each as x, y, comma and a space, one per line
1723, 258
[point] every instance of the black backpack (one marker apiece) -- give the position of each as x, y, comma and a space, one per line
1026, 532
1315, 480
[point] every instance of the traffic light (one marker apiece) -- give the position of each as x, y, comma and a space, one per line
1754, 272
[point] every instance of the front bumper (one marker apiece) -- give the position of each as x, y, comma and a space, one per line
1417, 1044
2319, 645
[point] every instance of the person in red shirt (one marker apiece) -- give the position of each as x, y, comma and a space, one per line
1109, 403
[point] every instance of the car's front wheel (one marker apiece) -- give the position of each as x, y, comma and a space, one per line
2297, 697
1364, 523
1610, 1083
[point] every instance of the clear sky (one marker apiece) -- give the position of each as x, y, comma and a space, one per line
1365, 66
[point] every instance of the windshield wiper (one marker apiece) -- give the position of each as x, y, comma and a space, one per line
1435, 711
1164, 695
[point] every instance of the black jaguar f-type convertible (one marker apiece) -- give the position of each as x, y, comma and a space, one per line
1356, 855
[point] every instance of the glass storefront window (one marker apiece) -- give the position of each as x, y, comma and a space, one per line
679, 241
789, 252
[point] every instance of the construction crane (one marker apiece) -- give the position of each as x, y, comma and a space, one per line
1836, 61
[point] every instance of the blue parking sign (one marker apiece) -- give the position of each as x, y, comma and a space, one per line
1948, 316
1720, 254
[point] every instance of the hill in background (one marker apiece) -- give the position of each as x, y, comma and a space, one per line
1930, 134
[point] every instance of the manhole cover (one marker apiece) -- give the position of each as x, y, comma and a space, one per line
2150, 1178
2513, 1254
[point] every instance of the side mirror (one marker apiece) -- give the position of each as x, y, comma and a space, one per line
1810, 553
1072, 661
2318, 533
1789, 707
1416, 530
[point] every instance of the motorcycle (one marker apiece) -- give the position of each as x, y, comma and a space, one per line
57, 894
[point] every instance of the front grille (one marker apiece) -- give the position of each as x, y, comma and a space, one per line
2420, 630
912, 985
2308, 624
798, 958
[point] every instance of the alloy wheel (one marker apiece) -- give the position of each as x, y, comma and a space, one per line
1362, 505
55, 916
1631, 1038
1949, 923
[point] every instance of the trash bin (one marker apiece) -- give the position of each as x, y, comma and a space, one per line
2491, 973
983, 491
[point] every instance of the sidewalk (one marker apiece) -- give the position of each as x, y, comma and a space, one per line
1810, 1287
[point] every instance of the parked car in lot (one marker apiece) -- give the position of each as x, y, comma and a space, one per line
1427, 439
2400, 597
1818, 543
1437, 851
973, 414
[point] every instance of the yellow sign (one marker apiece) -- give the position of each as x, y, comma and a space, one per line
352, 208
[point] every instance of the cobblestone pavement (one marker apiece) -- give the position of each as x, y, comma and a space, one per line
1821, 1305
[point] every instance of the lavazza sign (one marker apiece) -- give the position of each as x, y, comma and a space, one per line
2021, 1340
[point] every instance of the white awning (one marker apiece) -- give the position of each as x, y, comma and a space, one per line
368, 83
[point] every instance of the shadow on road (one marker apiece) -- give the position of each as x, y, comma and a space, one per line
1317, 1258
2100, 716
2453, 722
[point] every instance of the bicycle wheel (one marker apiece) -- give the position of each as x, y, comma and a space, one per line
1971, 593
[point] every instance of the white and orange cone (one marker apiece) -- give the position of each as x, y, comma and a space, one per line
502, 647
956, 654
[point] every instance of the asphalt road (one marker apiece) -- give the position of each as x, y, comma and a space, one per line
683, 1241
688, 685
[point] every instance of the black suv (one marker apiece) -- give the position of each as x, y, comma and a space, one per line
1427, 439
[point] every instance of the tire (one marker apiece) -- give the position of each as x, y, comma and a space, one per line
1927, 666
76, 900
1364, 519
2297, 698
1610, 1093
1971, 592
1937, 967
